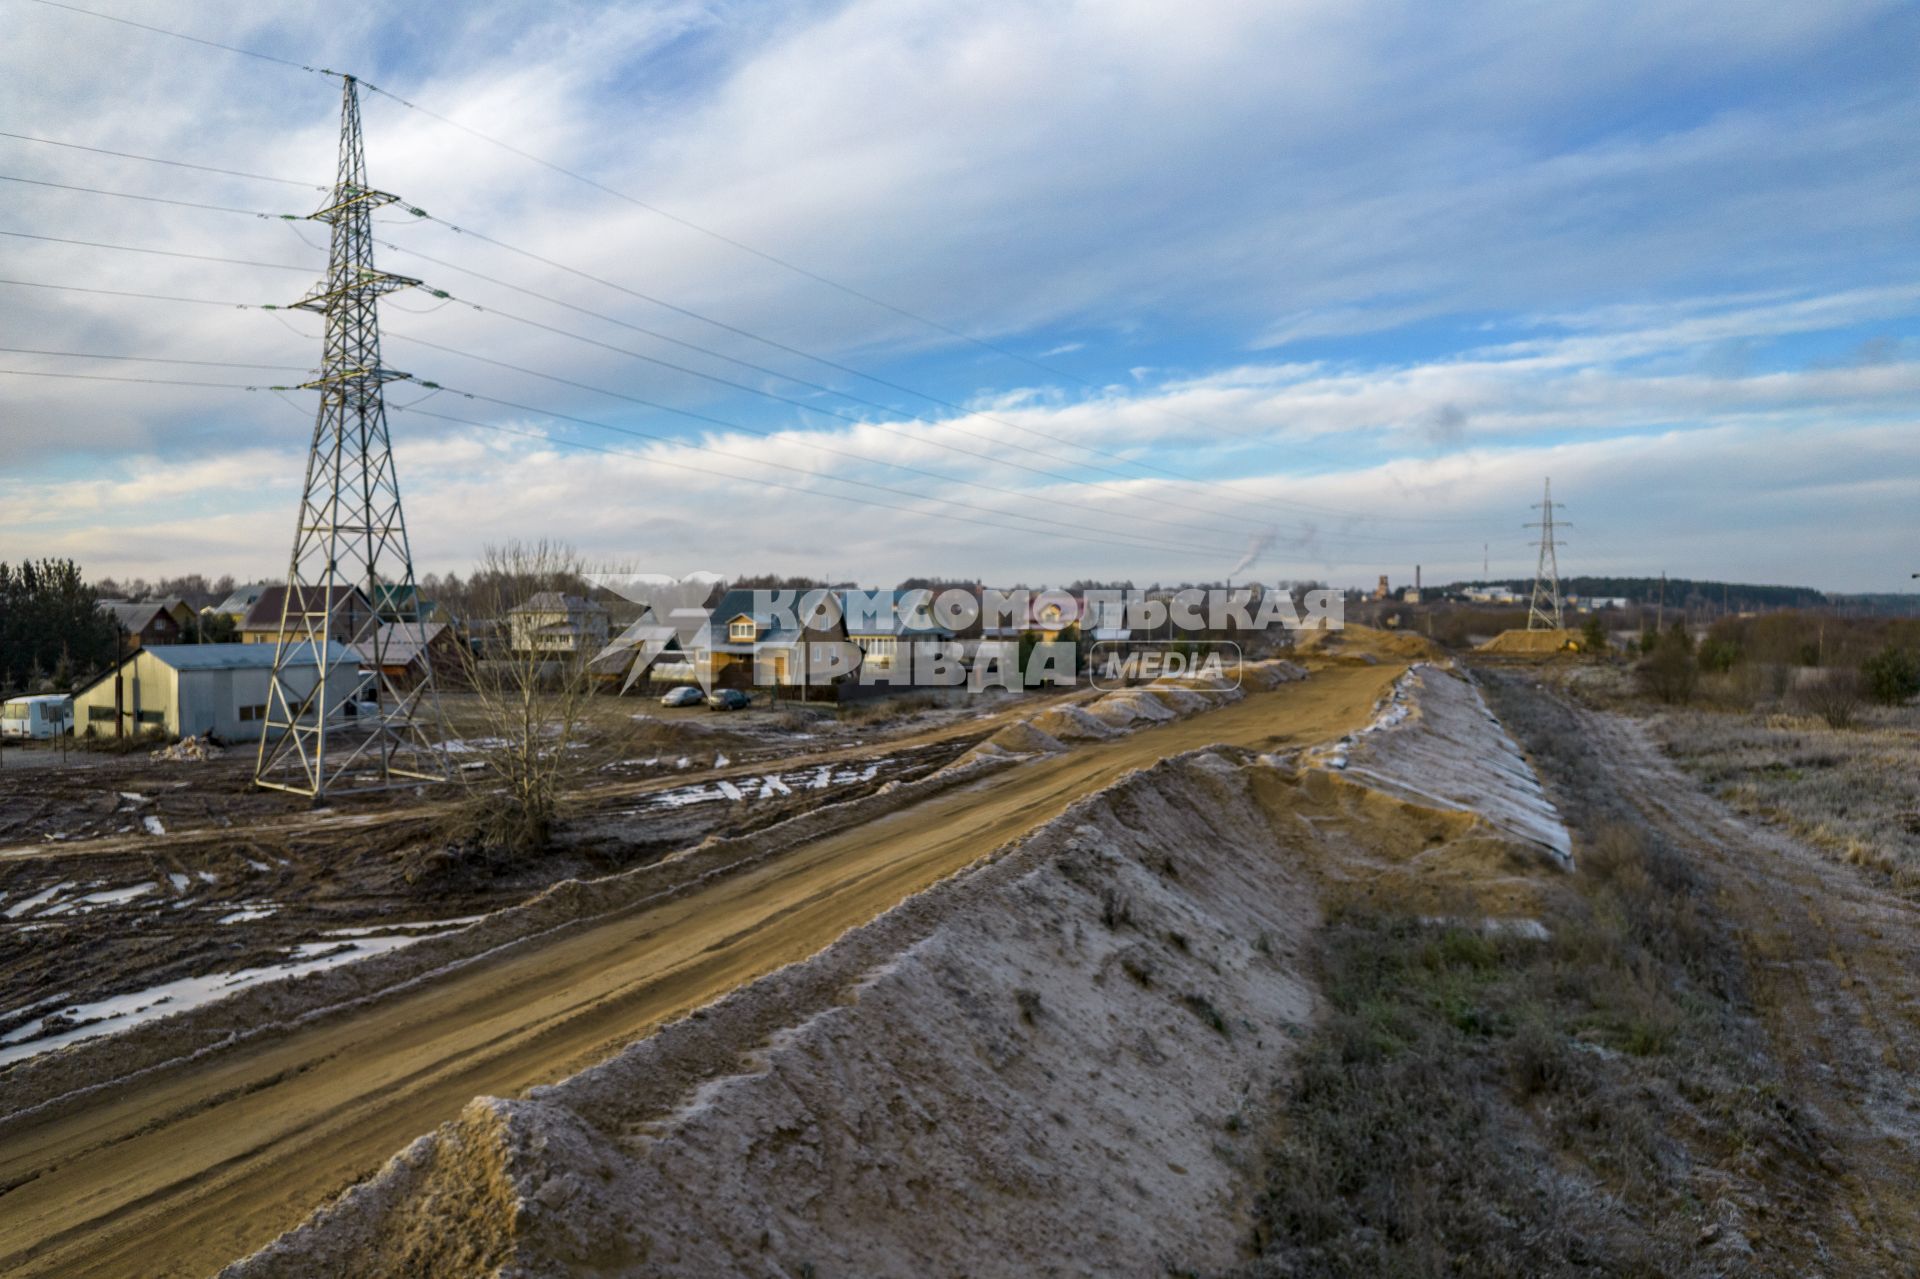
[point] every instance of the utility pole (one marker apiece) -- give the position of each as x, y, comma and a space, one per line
1543, 610
350, 537
1660, 613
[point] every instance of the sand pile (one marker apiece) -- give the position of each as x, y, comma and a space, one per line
1073, 723
1269, 675
1533, 642
1434, 741
1353, 640
1022, 738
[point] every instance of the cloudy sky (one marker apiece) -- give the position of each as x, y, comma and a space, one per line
1028, 291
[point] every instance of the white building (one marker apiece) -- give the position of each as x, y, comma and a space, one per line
189, 690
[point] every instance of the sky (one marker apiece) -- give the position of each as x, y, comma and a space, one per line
1025, 292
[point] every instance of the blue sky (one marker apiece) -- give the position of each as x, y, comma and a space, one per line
1354, 275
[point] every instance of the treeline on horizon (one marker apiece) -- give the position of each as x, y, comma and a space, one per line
1691, 594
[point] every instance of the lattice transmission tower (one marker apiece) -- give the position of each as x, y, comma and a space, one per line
1543, 611
351, 603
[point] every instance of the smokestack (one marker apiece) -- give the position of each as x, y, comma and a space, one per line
1416, 578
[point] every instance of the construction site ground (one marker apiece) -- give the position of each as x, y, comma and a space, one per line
195, 1162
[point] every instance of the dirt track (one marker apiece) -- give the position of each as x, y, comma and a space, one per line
1835, 964
193, 1167
1832, 977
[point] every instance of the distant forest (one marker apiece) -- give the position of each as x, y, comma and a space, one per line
1691, 595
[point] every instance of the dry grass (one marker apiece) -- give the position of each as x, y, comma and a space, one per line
1597, 1103
1853, 792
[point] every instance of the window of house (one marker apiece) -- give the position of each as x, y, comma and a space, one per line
153, 717
743, 629
99, 712
254, 712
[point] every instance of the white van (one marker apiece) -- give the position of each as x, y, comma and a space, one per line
48, 715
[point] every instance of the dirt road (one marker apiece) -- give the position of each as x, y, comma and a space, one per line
1832, 961
192, 1167
1835, 965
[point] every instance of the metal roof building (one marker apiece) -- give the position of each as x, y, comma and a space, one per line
189, 690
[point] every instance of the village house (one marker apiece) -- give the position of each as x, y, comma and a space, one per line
190, 690
234, 608
144, 622
884, 624
742, 632
351, 615
558, 625
406, 651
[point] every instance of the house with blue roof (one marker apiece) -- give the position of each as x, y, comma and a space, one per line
745, 629
191, 690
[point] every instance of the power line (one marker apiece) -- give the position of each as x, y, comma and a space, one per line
1132, 543
123, 293
125, 195
178, 164
104, 377
164, 253
579, 444
150, 199
668, 440
851, 371
783, 263
836, 479
180, 35
1071, 532
823, 448
154, 359
841, 393
734, 425
752, 390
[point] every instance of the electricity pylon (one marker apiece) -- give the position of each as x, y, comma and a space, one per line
1543, 611
328, 727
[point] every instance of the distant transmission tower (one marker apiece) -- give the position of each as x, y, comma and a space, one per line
329, 728
1543, 612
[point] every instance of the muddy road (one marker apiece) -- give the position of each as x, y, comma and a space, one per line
188, 1167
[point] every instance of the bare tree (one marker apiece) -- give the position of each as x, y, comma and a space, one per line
530, 689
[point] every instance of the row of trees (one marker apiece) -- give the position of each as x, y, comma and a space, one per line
1830, 666
49, 626
195, 588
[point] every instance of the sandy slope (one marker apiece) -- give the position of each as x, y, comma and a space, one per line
187, 1168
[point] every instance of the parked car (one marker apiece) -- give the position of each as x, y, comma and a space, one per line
685, 695
729, 699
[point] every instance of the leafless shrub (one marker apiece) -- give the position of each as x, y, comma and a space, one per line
522, 763
1835, 697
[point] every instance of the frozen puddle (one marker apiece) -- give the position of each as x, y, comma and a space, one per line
765, 787
1435, 742
73, 1023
